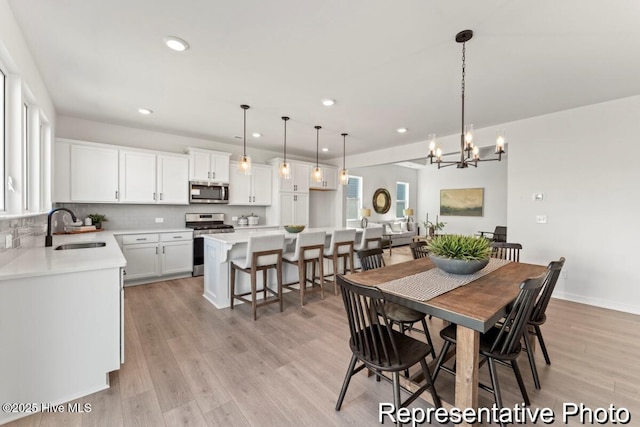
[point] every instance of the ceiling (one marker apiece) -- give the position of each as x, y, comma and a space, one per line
387, 64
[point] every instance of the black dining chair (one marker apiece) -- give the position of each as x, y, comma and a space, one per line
419, 249
378, 346
504, 250
501, 343
538, 316
405, 317
499, 234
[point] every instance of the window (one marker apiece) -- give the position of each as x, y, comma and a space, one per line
402, 198
26, 153
3, 101
354, 197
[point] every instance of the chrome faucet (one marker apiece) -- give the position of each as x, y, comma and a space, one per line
48, 241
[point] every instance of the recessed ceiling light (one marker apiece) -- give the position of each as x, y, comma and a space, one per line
256, 135
401, 130
145, 111
328, 102
325, 149
176, 43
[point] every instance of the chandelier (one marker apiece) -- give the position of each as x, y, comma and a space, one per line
469, 153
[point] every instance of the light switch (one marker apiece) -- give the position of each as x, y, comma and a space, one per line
541, 219
538, 196
159, 220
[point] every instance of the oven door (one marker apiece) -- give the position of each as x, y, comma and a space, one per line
202, 192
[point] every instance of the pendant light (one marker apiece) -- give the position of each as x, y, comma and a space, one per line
244, 161
316, 173
285, 167
344, 173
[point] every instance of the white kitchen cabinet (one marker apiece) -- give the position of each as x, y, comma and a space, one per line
147, 177
294, 209
94, 174
250, 190
299, 181
172, 182
155, 256
329, 179
61, 172
207, 165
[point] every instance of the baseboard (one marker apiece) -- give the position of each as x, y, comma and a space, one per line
598, 302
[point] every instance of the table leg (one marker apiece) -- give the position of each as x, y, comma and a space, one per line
467, 358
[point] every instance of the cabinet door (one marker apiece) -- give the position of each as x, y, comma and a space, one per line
239, 187
173, 180
62, 172
330, 178
176, 257
261, 190
137, 177
199, 166
287, 209
94, 174
301, 209
301, 177
219, 168
142, 261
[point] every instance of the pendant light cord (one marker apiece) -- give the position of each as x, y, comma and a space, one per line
344, 148
463, 85
244, 135
317, 145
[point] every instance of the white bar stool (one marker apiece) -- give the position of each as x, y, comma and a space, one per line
263, 253
371, 239
341, 246
309, 250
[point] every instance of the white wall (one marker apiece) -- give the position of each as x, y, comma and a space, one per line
492, 176
585, 162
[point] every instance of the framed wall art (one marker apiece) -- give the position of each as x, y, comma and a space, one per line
462, 202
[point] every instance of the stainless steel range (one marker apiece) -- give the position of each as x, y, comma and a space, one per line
202, 224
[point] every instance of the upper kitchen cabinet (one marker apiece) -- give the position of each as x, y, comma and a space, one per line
254, 189
94, 174
207, 165
148, 177
329, 179
299, 181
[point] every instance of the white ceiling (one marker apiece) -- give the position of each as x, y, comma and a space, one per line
388, 64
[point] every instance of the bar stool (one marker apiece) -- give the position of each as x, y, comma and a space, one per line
309, 249
341, 246
263, 253
371, 239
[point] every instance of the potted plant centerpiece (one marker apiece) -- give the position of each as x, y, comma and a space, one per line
459, 254
97, 220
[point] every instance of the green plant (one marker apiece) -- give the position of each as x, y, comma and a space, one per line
455, 246
437, 226
97, 218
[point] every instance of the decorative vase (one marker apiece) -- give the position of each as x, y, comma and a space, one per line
458, 266
431, 231
98, 225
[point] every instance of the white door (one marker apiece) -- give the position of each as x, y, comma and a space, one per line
137, 177
200, 166
301, 176
330, 178
219, 168
177, 257
142, 261
301, 209
261, 191
287, 209
94, 174
239, 187
173, 180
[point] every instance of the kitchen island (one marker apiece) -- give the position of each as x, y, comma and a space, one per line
220, 249
60, 321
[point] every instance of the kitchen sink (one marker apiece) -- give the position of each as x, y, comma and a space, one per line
83, 245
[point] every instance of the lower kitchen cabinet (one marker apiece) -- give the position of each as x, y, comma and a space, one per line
157, 256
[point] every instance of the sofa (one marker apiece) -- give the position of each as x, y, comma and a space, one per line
400, 232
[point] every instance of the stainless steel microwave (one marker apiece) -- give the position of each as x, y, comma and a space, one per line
208, 192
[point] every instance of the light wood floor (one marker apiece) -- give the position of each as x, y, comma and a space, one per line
188, 363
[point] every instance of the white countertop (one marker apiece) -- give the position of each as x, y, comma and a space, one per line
251, 227
242, 236
151, 230
41, 261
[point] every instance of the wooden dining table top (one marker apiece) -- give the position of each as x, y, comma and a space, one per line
476, 305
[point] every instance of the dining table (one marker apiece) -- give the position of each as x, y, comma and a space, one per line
474, 307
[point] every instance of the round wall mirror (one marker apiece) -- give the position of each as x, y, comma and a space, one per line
381, 201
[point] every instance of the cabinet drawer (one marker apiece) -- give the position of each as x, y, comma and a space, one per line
176, 237
131, 239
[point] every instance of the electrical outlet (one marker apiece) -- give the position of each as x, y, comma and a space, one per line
234, 218
8, 241
541, 219
563, 274
158, 220
538, 196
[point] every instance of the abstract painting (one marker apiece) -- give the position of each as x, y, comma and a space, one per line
462, 202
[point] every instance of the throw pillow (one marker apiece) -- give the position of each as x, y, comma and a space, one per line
396, 227
403, 227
